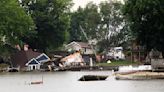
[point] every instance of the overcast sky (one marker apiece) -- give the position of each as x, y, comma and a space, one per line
82, 3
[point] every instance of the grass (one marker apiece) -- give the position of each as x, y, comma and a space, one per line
118, 63
3, 66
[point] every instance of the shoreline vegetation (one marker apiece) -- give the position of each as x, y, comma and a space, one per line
3, 67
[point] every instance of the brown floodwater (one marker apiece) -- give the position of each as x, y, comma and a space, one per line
68, 82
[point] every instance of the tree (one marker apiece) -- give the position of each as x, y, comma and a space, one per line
101, 22
112, 24
15, 23
112, 19
77, 19
52, 22
146, 22
89, 19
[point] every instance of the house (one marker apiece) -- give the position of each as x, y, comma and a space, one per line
74, 59
35, 63
85, 48
56, 56
87, 59
116, 53
28, 60
137, 53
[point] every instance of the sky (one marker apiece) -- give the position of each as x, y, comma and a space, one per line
82, 3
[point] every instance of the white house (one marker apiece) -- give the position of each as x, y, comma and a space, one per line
85, 48
35, 63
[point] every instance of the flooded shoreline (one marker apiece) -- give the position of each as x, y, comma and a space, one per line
68, 82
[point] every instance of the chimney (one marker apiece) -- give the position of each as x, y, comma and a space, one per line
18, 47
26, 47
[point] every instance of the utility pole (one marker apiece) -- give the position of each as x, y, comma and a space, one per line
88, 40
91, 62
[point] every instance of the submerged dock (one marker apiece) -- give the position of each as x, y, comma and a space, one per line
140, 76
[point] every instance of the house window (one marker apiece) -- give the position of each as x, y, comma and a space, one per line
85, 50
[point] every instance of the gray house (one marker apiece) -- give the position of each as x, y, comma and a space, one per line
28, 60
84, 47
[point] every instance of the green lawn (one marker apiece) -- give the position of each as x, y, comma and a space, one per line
118, 63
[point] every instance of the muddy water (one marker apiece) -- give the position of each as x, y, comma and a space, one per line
67, 82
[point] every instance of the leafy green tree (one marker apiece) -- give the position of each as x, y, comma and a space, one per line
14, 23
52, 22
89, 19
101, 22
146, 21
112, 25
92, 20
112, 19
77, 18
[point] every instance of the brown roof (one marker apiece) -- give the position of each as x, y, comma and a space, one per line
60, 53
22, 57
83, 44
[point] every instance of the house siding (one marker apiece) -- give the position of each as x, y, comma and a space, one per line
77, 47
33, 67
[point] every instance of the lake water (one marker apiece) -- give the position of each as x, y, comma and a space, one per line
67, 82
